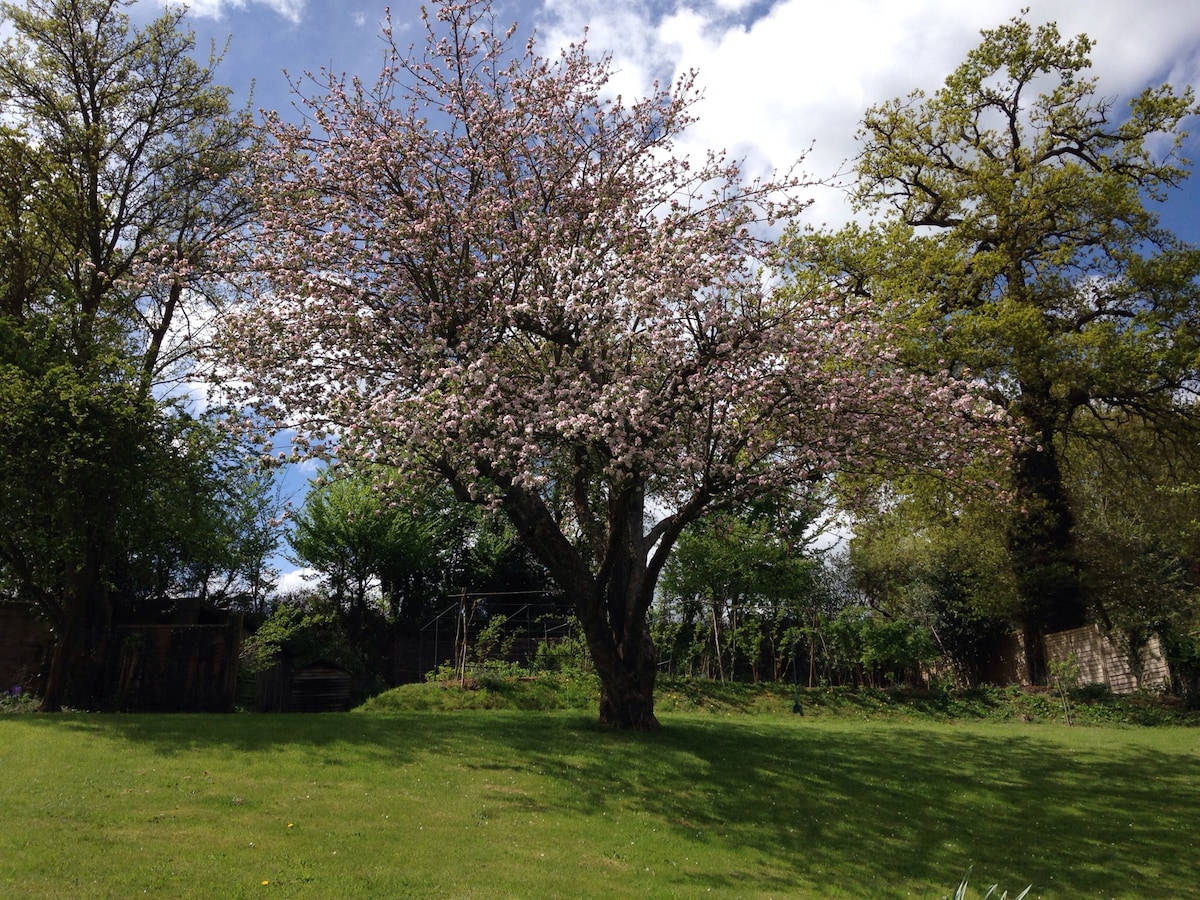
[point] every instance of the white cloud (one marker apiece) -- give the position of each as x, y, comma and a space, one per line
297, 580
803, 73
215, 9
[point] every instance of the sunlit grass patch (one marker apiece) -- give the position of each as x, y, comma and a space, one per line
518, 804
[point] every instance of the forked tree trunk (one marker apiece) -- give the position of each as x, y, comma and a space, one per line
612, 601
613, 616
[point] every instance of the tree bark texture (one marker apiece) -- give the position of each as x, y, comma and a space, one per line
1041, 543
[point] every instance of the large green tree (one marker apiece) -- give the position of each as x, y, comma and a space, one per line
361, 541
1014, 227
121, 159
412, 545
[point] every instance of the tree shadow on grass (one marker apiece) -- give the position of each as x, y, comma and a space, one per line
323, 734
888, 804
876, 809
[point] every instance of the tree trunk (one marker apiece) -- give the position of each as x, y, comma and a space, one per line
1041, 543
77, 665
66, 648
74, 677
627, 686
612, 600
614, 620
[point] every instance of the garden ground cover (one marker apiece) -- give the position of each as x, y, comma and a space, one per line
543, 804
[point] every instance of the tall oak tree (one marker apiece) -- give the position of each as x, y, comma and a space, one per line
1015, 235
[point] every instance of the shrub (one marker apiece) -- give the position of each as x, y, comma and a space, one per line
567, 654
301, 636
18, 700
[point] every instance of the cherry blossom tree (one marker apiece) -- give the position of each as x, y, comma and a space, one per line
486, 269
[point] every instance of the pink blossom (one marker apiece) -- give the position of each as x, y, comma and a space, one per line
484, 269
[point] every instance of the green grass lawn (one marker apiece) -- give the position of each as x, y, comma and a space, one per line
545, 804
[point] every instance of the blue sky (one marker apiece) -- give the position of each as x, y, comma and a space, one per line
782, 78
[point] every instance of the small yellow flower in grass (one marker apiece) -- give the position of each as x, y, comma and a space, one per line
265, 881
290, 825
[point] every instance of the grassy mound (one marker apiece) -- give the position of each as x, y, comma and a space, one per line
545, 693
677, 695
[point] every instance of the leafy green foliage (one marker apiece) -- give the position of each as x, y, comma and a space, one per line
390, 553
349, 532
209, 522
1139, 530
1015, 243
18, 700
299, 635
737, 588
120, 157
566, 654
494, 641
376, 540
71, 463
880, 650
1064, 676
936, 555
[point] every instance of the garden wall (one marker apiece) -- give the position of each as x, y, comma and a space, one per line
1103, 660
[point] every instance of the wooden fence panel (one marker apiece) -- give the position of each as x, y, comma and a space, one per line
178, 668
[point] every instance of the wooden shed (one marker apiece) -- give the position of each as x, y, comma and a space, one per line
320, 686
